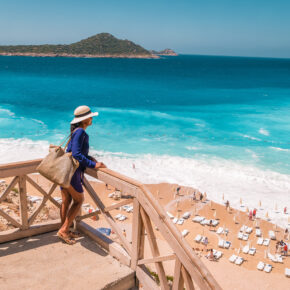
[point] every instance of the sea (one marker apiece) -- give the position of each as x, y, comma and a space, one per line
219, 124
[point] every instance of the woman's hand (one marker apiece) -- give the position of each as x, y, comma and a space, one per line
100, 165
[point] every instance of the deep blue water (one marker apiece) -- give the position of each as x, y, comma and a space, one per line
198, 107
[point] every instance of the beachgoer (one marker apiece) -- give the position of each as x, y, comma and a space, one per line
254, 213
205, 242
277, 247
201, 197
177, 190
285, 250
79, 146
286, 234
210, 224
285, 209
211, 255
124, 233
133, 165
227, 204
250, 215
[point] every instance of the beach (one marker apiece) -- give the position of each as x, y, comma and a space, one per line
229, 275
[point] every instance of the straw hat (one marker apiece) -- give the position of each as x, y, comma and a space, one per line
82, 113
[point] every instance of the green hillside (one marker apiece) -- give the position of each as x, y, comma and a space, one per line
99, 44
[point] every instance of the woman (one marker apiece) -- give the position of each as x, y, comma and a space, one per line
79, 146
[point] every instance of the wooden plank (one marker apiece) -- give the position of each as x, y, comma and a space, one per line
187, 279
19, 168
23, 202
38, 229
156, 259
136, 234
9, 188
113, 248
170, 238
42, 191
178, 281
116, 182
145, 279
190, 261
10, 219
119, 204
88, 215
45, 199
107, 215
154, 249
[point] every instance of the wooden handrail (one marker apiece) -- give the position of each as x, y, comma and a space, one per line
189, 268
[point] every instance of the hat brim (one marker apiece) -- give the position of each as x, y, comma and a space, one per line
77, 120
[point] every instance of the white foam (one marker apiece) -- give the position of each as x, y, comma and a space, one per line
214, 176
264, 132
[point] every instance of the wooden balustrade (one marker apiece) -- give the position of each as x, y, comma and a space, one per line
147, 213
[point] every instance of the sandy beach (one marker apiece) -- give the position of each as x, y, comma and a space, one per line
229, 275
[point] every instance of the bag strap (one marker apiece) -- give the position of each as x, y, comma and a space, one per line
69, 136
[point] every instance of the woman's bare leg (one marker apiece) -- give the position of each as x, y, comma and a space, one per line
66, 200
78, 199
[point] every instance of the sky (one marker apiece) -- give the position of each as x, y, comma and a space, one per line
209, 27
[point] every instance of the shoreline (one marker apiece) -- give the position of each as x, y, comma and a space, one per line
79, 55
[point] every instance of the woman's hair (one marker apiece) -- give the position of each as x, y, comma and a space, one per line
74, 126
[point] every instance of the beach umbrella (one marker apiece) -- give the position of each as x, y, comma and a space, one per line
214, 214
239, 250
241, 201
267, 215
275, 227
288, 219
228, 209
204, 196
223, 197
158, 193
276, 207
247, 209
260, 203
177, 203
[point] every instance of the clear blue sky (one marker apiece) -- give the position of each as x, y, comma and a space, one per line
218, 27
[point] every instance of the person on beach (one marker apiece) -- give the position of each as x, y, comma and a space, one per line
79, 146
254, 213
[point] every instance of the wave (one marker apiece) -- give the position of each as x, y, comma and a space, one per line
215, 176
264, 132
280, 149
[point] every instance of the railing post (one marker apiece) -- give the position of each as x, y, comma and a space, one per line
23, 202
137, 235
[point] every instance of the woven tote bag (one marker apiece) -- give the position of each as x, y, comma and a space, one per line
59, 166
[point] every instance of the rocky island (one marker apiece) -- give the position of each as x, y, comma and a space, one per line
166, 51
99, 45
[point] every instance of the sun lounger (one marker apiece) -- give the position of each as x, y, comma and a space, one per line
260, 241
243, 228
220, 230
198, 219
272, 258
204, 222
214, 223
217, 254
245, 237
110, 195
221, 243
279, 258
268, 268
272, 235
198, 238
58, 199
260, 266
240, 235
180, 221
202, 240
35, 198
2, 181
122, 218
129, 209
239, 261
86, 205
185, 232
175, 220
233, 258
266, 242
186, 215
246, 249
287, 272
252, 251
258, 233
170, 215
249, 230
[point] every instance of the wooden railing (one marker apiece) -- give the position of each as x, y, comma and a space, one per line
188, 269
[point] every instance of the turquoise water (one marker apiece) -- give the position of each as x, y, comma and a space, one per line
199, 107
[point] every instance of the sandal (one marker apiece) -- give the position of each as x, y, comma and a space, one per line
67, 239
74, 235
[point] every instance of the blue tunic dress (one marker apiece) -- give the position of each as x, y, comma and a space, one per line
79, 146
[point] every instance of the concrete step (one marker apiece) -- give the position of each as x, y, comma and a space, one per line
44, 262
